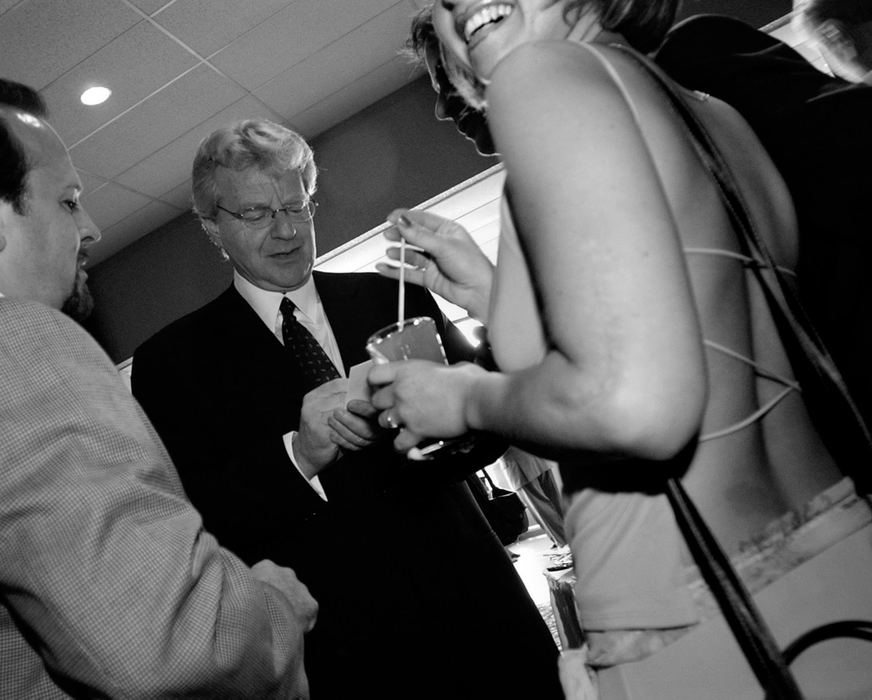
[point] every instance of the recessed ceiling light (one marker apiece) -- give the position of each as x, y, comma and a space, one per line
95, 95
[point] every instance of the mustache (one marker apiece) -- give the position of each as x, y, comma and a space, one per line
80, 303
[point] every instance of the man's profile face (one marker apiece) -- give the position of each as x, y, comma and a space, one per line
278, 257
44, 246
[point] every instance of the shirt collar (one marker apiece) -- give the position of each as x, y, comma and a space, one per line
266, 303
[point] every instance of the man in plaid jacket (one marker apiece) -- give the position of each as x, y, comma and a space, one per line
109, 586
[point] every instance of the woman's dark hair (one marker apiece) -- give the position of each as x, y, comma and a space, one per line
13, 160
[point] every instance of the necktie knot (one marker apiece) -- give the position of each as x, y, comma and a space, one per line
287, 308
314, 363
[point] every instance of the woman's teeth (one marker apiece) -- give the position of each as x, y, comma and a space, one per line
485, 16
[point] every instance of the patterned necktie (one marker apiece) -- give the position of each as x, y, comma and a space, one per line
314, 362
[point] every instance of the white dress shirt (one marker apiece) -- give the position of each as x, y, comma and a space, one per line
310, 313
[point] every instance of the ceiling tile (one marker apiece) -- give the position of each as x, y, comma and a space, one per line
354, 97
90, 183
68, 32
132, 228
136, 64
171, 165
151, 6
372, 44
209, 25
109, 204
291, 35
160, 119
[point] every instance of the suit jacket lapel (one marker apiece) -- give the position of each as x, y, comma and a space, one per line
243, 322
252, 341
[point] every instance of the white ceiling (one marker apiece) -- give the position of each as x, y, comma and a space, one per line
180, 68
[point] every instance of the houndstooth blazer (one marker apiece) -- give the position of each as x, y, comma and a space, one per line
109, 586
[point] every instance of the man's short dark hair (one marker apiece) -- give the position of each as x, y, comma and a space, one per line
13, 160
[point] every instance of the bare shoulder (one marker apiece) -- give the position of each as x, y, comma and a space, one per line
550, 68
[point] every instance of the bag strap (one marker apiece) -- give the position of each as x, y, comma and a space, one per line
795, 328
738, 608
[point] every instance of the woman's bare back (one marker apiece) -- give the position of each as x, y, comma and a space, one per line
745, 479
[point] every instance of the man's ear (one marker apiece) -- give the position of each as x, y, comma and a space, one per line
837, 40
5, 213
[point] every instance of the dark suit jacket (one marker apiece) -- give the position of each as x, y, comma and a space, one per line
418, 598
816, 128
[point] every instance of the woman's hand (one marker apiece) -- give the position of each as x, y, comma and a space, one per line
447, 260
423, 399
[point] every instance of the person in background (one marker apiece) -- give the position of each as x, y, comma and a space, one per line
417, 596
815, 127
533, 479
841, 30
110, 586
630, 343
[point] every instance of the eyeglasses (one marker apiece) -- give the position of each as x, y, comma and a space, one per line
261, 217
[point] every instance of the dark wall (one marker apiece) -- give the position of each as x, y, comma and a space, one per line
394, 153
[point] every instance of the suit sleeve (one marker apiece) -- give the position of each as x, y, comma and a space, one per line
107, 570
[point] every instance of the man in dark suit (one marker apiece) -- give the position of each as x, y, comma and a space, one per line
816, 129
417, 596
109, 585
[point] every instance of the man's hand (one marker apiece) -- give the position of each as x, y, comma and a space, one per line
447, 261
303, 610
313, 447
356, 426
295, 592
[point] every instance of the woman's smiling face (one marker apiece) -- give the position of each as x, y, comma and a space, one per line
480, 33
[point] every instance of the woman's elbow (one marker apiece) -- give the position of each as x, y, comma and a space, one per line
650, 422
